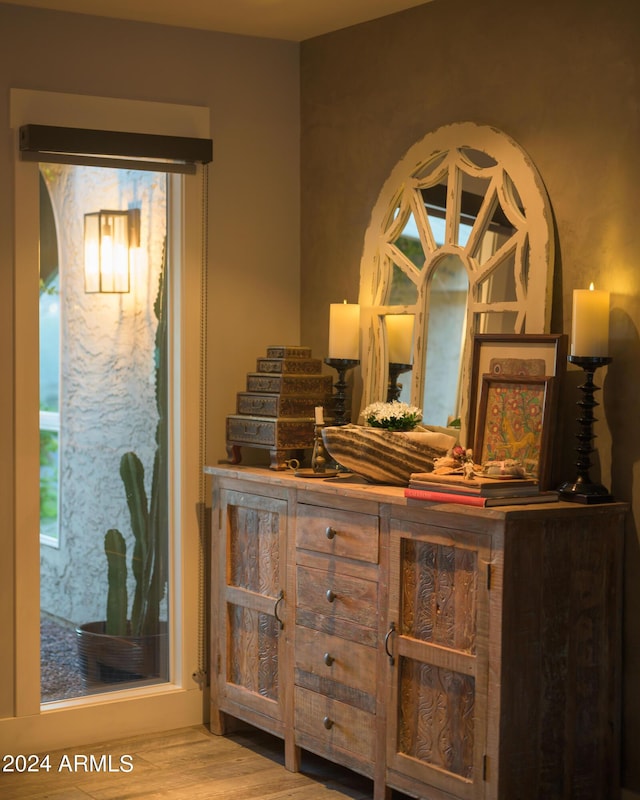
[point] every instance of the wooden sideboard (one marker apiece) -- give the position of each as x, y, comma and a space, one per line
442, 650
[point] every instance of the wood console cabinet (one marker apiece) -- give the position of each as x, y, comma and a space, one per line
445, 651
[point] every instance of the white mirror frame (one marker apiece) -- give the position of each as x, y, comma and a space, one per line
532, 243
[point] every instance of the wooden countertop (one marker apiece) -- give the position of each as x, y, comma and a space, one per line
350, 485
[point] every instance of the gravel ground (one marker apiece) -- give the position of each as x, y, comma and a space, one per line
60, 675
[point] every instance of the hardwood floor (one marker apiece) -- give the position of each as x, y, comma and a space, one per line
186, 764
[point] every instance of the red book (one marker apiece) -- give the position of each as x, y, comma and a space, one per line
474, 500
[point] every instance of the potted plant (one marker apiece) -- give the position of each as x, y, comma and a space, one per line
130, 644
392, 416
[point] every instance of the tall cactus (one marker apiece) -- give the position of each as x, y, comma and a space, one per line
115, 548
149, 519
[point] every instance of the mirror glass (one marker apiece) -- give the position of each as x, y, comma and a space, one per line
448, 290
461, 239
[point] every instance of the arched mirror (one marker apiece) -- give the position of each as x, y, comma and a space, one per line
461, 242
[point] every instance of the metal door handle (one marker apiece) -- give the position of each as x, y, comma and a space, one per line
390, 632
279, 599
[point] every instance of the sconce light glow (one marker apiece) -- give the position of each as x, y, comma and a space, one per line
108, 235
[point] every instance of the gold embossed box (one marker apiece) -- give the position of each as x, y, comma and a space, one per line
276, 412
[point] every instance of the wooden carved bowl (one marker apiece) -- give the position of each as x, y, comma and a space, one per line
383, 456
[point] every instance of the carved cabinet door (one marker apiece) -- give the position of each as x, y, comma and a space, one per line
437, 643
250, 608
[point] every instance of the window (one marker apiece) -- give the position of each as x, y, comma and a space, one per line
181, 698
105, 404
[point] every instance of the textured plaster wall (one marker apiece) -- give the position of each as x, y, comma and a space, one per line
563, 80
107, 379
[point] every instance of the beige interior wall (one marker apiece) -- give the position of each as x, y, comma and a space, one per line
251, 86
563, 80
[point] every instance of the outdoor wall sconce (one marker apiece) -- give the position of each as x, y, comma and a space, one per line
108, 239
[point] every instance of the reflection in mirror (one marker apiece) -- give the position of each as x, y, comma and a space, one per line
403, 291
399, 331
448, 290
399, 338
460, 237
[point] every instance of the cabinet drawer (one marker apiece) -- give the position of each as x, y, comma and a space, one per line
350, 534
337, 726
333, 659
337, 596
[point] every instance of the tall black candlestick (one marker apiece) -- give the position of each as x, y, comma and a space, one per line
342, 365
583, 489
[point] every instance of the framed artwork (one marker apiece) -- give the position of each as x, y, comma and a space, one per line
514, 354
515, 422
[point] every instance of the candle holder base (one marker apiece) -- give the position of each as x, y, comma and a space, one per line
308, 472
588, 493
583, 489
393, 387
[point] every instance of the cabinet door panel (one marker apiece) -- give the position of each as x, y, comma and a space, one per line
435, 716
253, 548
439, 589
438, 611
251, 607
253, 651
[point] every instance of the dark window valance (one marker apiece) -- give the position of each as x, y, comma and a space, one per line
113, 148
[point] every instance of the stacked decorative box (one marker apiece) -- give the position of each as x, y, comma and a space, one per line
276, 412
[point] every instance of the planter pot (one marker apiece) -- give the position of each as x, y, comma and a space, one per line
383, 456
106, 659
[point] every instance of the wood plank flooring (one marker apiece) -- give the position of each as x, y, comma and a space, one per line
185, 764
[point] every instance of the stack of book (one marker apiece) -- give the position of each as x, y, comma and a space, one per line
478, 491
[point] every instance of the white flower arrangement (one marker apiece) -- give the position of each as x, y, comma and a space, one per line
394, 416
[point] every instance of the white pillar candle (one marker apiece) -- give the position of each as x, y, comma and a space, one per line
344, 330
319, 415
399, 338
590, 323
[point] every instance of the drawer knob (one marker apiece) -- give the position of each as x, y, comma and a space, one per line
331, 595
328, 659
328, 723
330, 532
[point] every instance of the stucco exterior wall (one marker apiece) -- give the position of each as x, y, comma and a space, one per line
107, 382
563, 80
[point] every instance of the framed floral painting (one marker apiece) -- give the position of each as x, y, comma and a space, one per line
502, 354
515, 422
